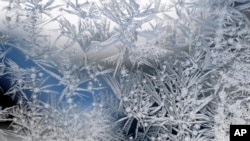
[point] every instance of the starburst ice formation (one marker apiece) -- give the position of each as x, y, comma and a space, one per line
119, 70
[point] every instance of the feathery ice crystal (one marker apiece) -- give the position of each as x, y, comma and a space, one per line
119, 70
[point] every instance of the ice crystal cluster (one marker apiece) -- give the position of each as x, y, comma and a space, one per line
125, 70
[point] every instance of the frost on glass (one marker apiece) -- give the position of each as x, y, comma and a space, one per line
124, 70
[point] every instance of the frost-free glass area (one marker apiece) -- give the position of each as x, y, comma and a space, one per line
120, 70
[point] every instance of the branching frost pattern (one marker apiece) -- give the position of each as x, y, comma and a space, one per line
125, 70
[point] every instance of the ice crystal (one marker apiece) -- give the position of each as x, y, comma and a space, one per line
124, 70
